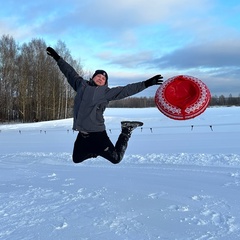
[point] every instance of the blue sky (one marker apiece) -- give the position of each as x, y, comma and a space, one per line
135, 39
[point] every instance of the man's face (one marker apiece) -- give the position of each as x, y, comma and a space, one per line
99, 80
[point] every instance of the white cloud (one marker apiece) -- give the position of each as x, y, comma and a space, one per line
221, 53
8, 27
132, 13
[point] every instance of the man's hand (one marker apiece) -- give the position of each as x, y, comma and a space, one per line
156, 80
51, 52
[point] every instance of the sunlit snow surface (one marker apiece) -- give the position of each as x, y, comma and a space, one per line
178, 180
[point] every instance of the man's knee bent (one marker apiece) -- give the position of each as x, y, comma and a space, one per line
76, 160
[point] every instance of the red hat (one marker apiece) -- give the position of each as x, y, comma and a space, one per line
182, 97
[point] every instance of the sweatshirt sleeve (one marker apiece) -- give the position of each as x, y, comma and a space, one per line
69, 72
117, 93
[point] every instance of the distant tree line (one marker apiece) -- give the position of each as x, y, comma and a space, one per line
33, 89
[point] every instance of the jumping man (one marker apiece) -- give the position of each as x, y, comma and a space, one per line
90, 102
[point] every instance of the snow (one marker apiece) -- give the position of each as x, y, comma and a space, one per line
178, 180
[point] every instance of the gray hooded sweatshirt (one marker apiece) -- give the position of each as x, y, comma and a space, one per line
91, 101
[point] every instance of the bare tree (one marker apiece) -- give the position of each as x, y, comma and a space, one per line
8, 77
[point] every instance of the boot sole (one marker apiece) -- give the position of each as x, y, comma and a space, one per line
131, 123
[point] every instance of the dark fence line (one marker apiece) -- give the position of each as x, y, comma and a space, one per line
110, 130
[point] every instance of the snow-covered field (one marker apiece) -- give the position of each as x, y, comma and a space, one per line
178, 180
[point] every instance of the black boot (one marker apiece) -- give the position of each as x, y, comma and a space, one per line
129, 126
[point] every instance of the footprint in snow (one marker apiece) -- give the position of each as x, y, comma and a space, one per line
68, 182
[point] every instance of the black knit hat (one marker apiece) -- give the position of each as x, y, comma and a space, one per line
101, 72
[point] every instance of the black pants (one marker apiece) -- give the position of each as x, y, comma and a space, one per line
98, 144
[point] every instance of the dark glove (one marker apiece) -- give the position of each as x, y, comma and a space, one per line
156, 80
51, 52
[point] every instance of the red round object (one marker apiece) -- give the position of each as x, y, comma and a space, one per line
182, 97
